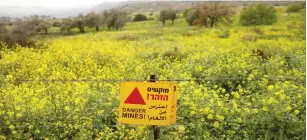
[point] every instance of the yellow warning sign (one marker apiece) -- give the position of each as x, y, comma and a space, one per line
148, 103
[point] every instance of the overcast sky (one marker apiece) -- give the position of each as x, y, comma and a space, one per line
52, 3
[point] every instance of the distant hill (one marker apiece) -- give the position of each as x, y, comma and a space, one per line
132, 6
145, 6
106, 6
19, 11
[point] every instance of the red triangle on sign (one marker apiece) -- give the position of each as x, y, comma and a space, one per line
135, 97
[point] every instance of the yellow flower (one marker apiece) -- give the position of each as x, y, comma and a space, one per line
255, 111
296, 111
181, 128
206, 110
247, 110
236, 95
216, 124
288, 108
271, 100
270, 87
265, 109
210, 117
219, 103
235, 105
220, 117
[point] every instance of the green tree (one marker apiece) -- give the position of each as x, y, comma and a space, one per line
261, 14
80, 23
94, 20
44, 26
191, 16
56, 24
167, 14
116, 19
67, 25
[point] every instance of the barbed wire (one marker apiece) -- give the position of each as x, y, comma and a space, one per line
158, 80
54, 123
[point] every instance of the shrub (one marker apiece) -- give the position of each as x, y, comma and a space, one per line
56, 24
260, 14
224, 34
139, 17
173, 54
249, 37
258, 31
293, 8
130, 37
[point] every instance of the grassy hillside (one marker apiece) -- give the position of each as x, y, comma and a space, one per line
58, 91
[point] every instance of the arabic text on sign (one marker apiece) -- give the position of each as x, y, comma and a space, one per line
157, 107
156, 118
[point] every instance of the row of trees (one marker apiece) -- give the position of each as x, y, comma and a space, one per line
208, 13
111, 19
203, 13
22, 31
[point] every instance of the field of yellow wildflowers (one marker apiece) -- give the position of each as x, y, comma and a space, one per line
57, 92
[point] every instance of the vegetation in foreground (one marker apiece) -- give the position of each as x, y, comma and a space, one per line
249, 81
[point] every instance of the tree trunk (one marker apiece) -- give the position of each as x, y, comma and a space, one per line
205, 22
212, 22
82, 30
46, 31
97, 28
163, 21
172, 21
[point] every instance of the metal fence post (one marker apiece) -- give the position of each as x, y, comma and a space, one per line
155, 128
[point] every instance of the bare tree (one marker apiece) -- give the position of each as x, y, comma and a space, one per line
34, 20
21, 33
215, 11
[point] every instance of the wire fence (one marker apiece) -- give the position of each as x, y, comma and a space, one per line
161, 80
59, 123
